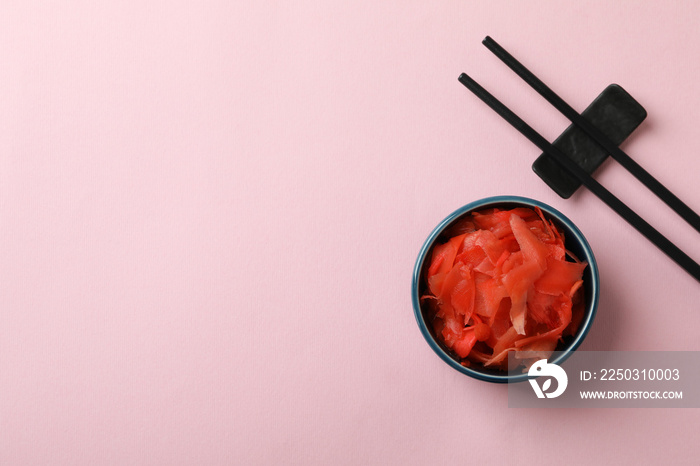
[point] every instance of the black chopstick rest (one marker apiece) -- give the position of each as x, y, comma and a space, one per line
616, 114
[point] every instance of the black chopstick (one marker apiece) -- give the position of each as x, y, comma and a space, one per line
588, 181
603, 141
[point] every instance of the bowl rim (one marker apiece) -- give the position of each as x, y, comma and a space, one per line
591, 310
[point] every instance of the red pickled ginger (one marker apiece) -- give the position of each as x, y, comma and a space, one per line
504, 285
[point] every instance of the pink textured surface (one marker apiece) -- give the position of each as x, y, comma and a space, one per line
210, 212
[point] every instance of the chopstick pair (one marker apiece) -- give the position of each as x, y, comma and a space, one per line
682, 259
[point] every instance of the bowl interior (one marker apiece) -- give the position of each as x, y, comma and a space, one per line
574, 242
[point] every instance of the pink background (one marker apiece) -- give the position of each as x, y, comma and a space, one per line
210, 212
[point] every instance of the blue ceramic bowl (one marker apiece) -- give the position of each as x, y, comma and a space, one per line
575, 242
